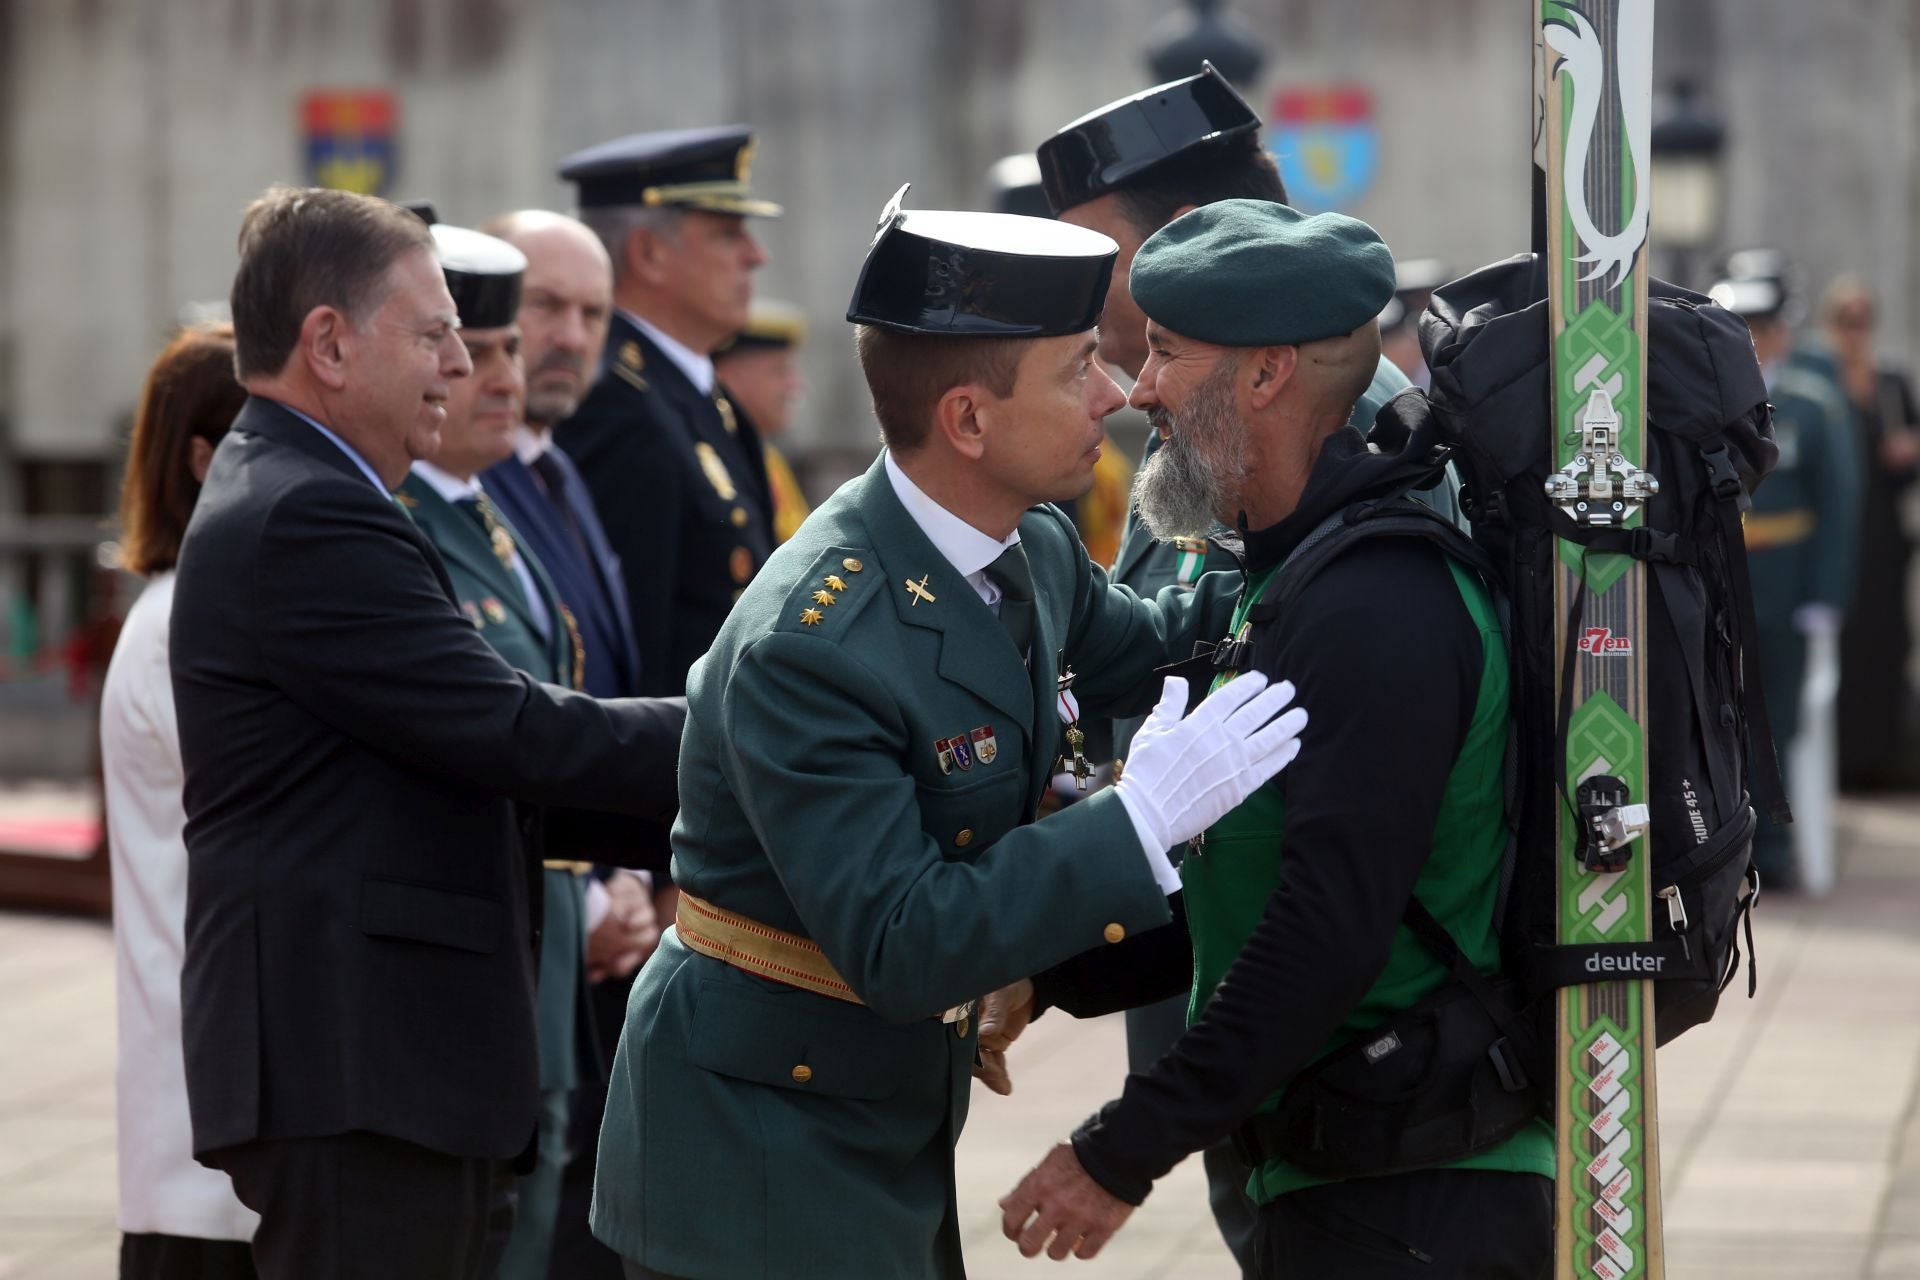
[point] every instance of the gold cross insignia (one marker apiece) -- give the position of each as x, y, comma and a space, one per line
823, 597
918, 590
836, 583
811, 617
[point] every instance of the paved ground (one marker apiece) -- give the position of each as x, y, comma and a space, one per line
1790, 1134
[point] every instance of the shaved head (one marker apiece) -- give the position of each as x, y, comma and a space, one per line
566, 303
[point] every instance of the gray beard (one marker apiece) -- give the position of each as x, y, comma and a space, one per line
549, 409
1191, 478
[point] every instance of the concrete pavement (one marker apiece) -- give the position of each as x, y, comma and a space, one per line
1790, 1135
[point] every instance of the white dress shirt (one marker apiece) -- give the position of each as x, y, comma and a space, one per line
970, 551
162, 1189
455, 490
697, 367
529, 444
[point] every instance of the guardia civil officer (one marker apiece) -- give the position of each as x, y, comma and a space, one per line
504, 591
676, 470
869, 738
1803, 532
1126, 170
1295, 901
566, 305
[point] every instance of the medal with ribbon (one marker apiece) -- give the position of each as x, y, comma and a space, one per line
1069, 707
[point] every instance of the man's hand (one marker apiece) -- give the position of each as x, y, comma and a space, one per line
1057, 1201
628, 935
1005, 1014
990, 1069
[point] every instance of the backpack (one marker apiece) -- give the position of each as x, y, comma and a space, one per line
1709, 443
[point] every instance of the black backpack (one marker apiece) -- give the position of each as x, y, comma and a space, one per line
1709, 443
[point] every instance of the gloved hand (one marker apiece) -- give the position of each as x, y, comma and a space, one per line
1184, 775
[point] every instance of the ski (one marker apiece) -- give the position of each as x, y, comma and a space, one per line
1593, 78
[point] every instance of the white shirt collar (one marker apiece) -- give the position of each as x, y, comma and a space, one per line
697, 367
529, 444
965, 547
452, 488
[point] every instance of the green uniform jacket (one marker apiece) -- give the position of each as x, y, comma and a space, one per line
491, 596
813, 800
1803, 533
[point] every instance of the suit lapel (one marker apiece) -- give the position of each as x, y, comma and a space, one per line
559, 635
460, 540
975, 651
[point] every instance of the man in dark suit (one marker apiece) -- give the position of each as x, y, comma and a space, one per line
565, 306
677, 472
358, 989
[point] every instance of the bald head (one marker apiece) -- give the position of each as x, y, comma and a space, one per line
566, 302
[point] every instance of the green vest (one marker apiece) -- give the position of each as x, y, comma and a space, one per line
1233, 872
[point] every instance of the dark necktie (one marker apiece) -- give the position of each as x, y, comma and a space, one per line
554, 477
1015, 579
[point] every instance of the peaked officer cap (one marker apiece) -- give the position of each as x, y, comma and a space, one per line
688, 168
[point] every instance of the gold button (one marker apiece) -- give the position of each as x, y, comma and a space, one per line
1118, 766
851, 565
960, 1027
802, 1073
739, 517
1113, 932
963, 838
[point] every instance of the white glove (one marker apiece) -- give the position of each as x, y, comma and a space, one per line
1184, 775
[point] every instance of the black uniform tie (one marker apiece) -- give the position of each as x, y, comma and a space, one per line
1015, 579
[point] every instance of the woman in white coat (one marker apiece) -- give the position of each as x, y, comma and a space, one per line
178, 1218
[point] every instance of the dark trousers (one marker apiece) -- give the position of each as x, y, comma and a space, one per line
1151, 1031
1441, 1224
577, 1255
371, 1207
151, 1256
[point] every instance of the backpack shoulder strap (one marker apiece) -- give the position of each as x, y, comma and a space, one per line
1393, 517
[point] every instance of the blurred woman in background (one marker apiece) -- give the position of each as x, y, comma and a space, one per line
1875, 695
178, 1218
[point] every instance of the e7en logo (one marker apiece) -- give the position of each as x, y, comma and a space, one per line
1601, 642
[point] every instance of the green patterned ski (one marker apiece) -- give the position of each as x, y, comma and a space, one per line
1594, 70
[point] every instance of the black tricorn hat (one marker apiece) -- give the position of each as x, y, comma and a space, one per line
992, 275
483, 275
1102, 150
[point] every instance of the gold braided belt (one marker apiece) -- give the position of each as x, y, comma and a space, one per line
767, 952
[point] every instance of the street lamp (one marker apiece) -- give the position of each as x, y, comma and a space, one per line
1688, 144
1180, 41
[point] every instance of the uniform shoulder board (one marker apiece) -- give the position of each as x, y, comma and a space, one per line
836, 586
628, 364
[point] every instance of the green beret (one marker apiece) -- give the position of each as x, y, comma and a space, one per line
1252, 273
